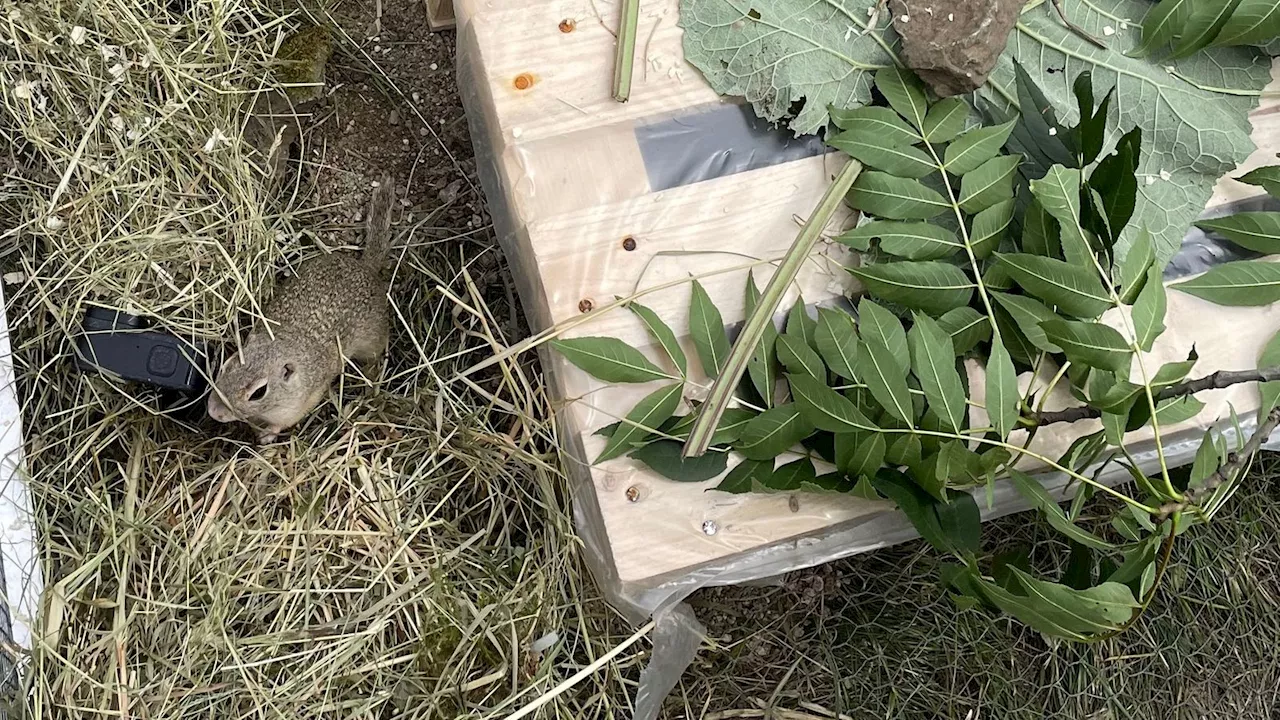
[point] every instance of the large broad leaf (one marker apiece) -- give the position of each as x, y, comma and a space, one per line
666, 457
661, 332
779, 53
886, 376
772, 432
1059, 193
933, 359
1149, 309
1002, 390
988, 228
643, 420
1245, 282
934, 287
878, 122
1074, 289
609, 359
707, 329
989, 183
1091, 344
837, 339
876, 323
910, 240
900, 160
967, 327
1034, 493
1254, 22
1257, 231
1028, 313
825, 408
1097, 610
860, 453
762, 366
975, 147
896, 198
945, 120
797, 357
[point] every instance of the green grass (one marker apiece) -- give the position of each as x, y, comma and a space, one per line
874, 636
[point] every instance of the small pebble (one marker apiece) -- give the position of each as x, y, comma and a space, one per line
904, 19
1053, 131
1108, 31
1165, 175
434, 66
423, 131
394, 117
417, 97
951, 17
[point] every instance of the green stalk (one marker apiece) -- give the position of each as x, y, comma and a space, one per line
623, 65
725, 385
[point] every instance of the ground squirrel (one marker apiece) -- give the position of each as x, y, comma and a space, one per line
336, 307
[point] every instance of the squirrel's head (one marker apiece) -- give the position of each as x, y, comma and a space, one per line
271, 383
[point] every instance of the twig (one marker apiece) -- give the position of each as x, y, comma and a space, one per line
1079, 31
1235, 462
736, 364
1216, 381
623, 65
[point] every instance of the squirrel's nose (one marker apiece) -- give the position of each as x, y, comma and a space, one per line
217, 410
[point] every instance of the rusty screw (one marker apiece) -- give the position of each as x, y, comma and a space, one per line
567, 25
628, 243
633, 494
585, 305
523, 81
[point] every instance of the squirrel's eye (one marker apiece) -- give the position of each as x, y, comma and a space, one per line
258, 394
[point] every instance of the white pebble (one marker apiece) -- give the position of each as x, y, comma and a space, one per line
1053, 131
417, 97
377, 48
23, 89
1108, 31
53, 222
904, 18
14, 278
1165, 175
77, 35
545, 642
951, 17
434, 66
117, 123
1151, 180
517, 132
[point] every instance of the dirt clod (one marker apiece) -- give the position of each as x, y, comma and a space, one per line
953, 52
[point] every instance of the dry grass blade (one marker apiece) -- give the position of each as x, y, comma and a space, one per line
396, 556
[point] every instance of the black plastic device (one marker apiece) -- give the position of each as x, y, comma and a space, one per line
128, 346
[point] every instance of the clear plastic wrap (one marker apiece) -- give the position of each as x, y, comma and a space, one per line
557, 177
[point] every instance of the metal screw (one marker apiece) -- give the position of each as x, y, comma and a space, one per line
628, 243
633, 494
585, 305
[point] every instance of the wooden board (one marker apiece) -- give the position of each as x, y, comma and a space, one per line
440, 15
573, 183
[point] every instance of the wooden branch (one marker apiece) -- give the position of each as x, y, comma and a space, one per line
1234, 464
1216, 381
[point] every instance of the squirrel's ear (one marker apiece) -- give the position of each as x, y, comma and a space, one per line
289, 369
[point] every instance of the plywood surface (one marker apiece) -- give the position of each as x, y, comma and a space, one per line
574, 179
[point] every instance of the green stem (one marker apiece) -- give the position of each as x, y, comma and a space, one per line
623, 66
736, 364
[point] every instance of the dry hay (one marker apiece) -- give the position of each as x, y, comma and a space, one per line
397, 556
